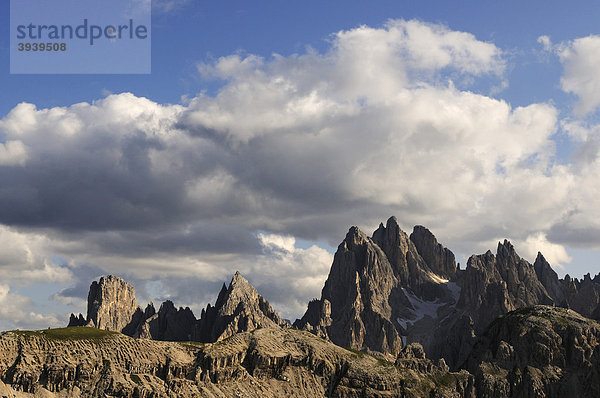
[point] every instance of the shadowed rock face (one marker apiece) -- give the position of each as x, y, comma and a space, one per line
549, 279
440, 260
493, 285
169, 323
538, 351
364, 292
582, 296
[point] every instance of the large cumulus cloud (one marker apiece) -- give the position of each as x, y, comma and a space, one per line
386, 121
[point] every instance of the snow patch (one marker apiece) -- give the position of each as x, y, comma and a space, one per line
423, 308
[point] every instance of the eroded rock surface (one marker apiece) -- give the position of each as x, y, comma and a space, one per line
538, 351
269, 362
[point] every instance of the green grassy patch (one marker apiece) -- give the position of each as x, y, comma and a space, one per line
446, 380
357, 353
71, 333
193, 344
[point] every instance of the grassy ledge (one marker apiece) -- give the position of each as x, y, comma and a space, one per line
70, 333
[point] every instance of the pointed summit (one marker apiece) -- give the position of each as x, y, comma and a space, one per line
353, 238
438, 258
238, 308
238, 279
364, 292
506, 253
549, 279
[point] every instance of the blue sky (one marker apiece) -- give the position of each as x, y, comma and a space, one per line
266, 129
199, 30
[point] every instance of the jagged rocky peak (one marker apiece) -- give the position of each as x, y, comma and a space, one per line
240, 291
75, 320
368, 290
493, 285
238, 308
393, 241
549, 279
438, 258
111, 303
583, 295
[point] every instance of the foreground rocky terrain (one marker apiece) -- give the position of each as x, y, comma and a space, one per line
539, 351
270, 362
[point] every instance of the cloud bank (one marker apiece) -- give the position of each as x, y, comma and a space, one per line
387, 121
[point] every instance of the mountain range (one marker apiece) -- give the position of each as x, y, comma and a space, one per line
396, 317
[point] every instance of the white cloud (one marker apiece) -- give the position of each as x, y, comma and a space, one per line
298, 147
554, 253
15, 313
275, 242
12, 153
27, 257
287, 275
545, 42
581, 61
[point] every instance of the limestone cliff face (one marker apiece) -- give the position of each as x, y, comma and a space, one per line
238, 308
582, 296
538, 351
111, 305
549, 279
493, 285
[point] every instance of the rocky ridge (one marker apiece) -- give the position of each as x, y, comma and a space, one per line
390, 290
112, 306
